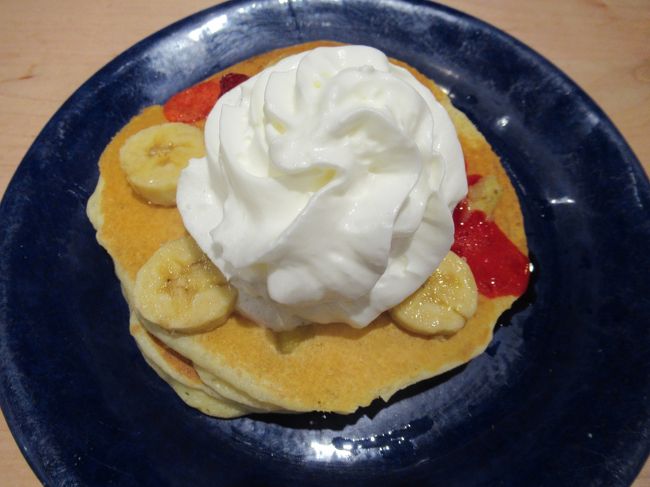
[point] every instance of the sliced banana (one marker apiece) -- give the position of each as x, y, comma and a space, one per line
484, 195
181, 291
153, 158
444, 302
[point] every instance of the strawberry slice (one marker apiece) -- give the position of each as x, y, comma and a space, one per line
230, 80
192, 104
472, 179
499, 267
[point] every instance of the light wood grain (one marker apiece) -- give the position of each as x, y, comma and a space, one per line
47, 49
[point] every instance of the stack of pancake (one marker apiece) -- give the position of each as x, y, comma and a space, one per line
241, 367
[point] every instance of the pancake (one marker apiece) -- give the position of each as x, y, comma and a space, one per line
239, 364
181, 376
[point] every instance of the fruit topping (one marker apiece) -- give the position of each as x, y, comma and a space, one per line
194, 103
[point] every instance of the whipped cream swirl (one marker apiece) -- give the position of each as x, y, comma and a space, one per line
328, 188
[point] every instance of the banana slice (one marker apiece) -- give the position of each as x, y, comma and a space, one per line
444, 302
153, 158
484, 195
179, 290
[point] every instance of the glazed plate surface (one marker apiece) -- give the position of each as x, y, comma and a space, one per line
559, 398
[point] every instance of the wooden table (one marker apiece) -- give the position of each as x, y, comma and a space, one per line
47, 49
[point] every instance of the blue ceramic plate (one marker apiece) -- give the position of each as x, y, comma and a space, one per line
559, 398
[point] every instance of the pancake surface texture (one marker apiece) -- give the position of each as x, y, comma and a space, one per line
238, 367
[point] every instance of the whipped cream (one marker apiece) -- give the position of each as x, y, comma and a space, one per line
328, 188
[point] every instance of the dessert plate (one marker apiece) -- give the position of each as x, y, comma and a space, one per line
559, 398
